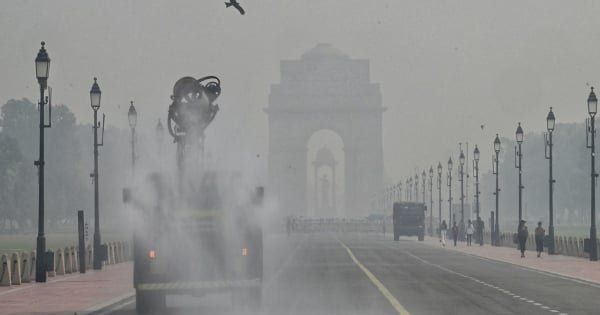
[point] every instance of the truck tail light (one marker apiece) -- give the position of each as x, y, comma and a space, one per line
152, 254
244, 251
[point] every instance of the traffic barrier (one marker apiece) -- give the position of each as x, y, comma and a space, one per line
579, 247
89, 257
5, 273
68, 261
15, 267
59, 262
74, 259
33, 261
51, 273
25, 267
118, 255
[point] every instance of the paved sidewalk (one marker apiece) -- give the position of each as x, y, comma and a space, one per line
69, 294
573, 267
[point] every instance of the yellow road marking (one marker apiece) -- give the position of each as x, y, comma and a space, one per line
388, 295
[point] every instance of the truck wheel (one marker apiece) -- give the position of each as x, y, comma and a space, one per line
421, 237
149, 302
396, 237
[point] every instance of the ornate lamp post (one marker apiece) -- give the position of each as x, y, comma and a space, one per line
95, 95
423, 183
406, 190
591, 131
439, 187
476, 174
399, 187
518, 165
410, 185
42, 72
461, 226
431, 200
449, 184
550, 122
132, 117
495, 164
416, 187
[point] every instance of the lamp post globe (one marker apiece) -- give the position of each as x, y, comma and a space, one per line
497, 145
519, 134
592, 102
95, 95
550, 120
132, 115
450, 164
476, 154
461, 158
439, 168
42, 66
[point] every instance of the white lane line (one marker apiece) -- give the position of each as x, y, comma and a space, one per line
122, 301
524, 299
386, 293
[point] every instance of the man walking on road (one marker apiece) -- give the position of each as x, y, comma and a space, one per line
454, 232
522, 235
443, 230
539, 238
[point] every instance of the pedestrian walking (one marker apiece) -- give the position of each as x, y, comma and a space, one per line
540, 233
470, 231
480, 227
522, 235
443, 230
455, 232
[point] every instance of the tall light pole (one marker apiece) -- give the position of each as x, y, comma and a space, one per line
461, 227
423, 183
439, 187
132, 117
550, 122
449, 184
591, 131
95, 95
431, 200
42, 72
476, 175
518, 165
406, 190
416, 187
410, 184
399, 186
495, 164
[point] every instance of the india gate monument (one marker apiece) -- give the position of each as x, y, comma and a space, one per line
325, 90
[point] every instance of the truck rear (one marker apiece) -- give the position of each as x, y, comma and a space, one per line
409, 219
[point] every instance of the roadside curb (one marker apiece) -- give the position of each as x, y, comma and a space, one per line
99, 309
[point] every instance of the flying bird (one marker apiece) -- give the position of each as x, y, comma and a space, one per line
235, 4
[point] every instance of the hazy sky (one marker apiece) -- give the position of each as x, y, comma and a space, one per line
445, 67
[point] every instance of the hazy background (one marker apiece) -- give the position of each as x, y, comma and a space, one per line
444, 67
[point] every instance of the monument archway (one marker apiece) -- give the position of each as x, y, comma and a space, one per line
325, 89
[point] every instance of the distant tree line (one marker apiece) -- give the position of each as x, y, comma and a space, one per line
68, 165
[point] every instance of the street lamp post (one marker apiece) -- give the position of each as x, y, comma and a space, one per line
550, 122
449, 184
416, 187
518, 165
423, 183
95, 95
591, 132
495, 164
431, 200
439, 187
461, 227
42, 71
132, 117
476, 174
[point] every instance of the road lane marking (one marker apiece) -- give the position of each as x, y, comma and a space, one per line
475, 280
388, 295
283, 265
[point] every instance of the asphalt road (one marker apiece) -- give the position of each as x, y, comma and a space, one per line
368, 274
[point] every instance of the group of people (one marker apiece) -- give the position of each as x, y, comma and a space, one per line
471, 229
520, 237
523, 234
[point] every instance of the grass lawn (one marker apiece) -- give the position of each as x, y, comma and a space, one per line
27, 242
